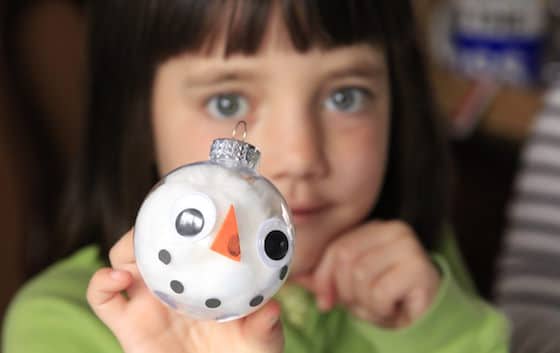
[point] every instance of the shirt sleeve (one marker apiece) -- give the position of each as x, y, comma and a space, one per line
528, 281
44, 323
457, 322
51, 314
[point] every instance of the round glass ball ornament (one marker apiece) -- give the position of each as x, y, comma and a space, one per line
215, 239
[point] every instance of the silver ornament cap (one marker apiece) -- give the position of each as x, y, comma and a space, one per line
234, 153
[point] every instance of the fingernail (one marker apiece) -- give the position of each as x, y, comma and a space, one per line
274, 321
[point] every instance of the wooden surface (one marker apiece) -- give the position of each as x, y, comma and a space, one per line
510, 115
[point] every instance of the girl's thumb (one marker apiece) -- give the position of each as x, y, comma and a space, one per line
264, 328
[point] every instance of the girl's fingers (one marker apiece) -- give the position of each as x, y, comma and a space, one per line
380, 302
394, 284
324, 281
264, 328
343, 276
122, 257
369, 268
356, 271
122, 253
137, 286
340, 255
373, 235
389, 293
339, 267
104, 294
417, 302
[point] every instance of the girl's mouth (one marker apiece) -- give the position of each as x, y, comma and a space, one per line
304, 214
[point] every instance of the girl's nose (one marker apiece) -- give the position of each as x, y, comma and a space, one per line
293, 146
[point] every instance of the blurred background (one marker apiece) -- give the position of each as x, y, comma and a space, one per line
42, 101
489, 62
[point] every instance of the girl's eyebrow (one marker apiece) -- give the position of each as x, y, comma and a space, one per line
362, 69
204, 79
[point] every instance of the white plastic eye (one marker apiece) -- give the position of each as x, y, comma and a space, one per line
274, 242
193, 216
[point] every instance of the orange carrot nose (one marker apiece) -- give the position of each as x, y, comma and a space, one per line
227, 240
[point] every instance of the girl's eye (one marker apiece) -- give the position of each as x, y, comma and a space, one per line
347, 100
229, 105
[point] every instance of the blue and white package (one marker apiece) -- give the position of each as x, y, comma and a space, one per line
501, 39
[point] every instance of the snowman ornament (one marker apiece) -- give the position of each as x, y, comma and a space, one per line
214, 239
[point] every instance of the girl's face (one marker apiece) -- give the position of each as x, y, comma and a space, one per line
320, 119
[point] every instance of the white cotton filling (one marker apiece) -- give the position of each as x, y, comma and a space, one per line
203, 272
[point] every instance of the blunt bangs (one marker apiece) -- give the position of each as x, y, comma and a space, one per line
172, 27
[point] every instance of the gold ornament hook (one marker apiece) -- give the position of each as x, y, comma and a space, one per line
234, 133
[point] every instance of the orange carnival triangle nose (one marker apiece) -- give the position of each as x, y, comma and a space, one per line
227, 240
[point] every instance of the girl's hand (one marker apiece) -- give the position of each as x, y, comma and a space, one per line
379, 272
142, 324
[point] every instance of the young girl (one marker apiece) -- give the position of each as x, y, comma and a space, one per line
335, 97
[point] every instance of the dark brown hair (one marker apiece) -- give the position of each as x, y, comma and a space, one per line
36, 145
129, 39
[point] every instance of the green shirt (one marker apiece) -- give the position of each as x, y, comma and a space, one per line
51, 314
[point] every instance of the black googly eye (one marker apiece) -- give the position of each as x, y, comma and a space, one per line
276, 245
189, 222
274, 242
